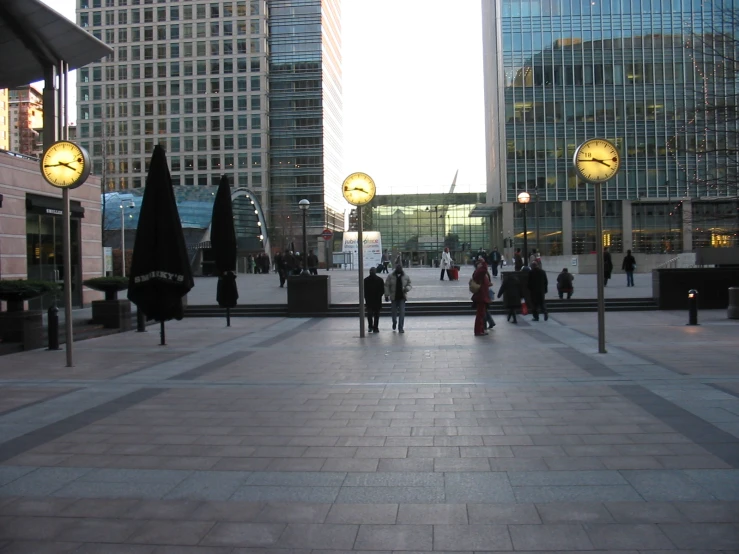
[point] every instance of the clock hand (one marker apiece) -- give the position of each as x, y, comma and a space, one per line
52, 165
595, 160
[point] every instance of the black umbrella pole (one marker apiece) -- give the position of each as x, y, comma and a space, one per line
228, 317
161, 334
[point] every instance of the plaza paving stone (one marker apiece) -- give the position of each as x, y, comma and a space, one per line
296, 436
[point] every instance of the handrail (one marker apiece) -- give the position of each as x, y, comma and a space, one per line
671, 263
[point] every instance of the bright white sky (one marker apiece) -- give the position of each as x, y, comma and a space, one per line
413, 92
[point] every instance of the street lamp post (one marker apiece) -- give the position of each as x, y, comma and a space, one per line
123, 235
304, 205
524, 198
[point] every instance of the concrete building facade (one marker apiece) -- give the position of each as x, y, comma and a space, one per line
26, 120
641, 74
4, 120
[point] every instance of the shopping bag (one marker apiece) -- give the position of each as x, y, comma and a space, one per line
524, 308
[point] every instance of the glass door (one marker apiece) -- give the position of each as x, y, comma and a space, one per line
45, 256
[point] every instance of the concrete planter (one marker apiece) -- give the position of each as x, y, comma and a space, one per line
112, 314
308, 294
23, 326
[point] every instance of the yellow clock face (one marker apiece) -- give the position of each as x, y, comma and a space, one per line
597, 160
358, 189
65, 165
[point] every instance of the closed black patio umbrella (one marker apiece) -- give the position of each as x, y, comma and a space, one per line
160, 272
223, 244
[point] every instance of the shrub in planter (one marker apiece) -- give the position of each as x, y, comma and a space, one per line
109, 285
16, 291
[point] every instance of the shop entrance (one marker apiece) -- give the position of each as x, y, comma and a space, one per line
45, 251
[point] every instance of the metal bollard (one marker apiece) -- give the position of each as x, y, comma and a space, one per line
692, 307
140, 322
53, 327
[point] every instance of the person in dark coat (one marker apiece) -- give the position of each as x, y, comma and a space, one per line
510, 290
538, 287
481, 298
281, 268
607, 266
629, 265
374, 289
517, 260
312, 262
564, 283
495, 259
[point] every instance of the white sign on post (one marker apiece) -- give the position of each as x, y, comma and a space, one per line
371, 245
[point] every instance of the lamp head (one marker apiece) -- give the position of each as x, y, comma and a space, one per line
304, 204
524, 197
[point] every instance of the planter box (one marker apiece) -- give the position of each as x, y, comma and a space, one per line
25, 327
308, 294
112, 314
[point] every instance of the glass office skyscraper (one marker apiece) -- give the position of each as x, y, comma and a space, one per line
650, 76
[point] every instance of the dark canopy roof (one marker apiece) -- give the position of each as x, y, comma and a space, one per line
34, 37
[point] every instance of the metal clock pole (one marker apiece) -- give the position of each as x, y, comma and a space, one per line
66, 229
600, 272
360, 253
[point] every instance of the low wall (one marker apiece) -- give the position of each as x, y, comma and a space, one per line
587, 263
670, 287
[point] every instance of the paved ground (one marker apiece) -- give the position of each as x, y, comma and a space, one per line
296, 436
265, 289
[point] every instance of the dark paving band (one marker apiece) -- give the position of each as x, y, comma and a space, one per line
39, 401
721, 444
219, 363
289, 334
24, 443
727, 390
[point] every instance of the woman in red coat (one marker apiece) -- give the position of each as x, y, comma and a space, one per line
481, 298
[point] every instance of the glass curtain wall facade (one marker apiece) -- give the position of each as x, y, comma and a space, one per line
420, 226
646, 74
305, 112
190, 76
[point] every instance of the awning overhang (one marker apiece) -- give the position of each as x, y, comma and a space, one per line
34, 37
483, 210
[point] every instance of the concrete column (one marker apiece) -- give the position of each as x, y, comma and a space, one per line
51, 107
687, 226
567, 228
507, 228
627, 225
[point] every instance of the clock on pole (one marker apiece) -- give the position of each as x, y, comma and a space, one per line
359, 189
596, 161
65, 165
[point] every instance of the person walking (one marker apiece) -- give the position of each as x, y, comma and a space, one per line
446, 264
495, 259
481, 296
629, 265
607, 266
281, 268
249, 263
517, 260
385, 261
312, 262
374, 288
510, 290
397, 286
564, 284
538, 287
